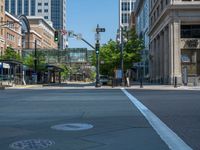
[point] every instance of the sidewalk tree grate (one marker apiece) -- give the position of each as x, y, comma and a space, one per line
72, 127
32, 144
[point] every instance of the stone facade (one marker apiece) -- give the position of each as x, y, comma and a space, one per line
34, 36
174, 41
45, 31
13, 34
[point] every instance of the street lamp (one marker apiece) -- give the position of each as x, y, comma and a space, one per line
121, 39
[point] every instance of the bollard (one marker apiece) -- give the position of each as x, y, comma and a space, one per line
141, 83
112, 83
175, 82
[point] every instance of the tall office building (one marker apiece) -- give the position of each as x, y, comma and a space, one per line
126, 7
52, 10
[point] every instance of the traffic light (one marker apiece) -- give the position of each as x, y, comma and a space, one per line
56, 36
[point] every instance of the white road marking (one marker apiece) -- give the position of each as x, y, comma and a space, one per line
173, 141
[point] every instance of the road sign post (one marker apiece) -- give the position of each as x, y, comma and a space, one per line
98, 30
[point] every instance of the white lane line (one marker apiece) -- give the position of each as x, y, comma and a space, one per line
173, 141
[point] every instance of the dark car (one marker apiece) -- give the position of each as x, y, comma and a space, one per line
104, 79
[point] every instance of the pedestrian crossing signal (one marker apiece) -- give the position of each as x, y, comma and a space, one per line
56, 36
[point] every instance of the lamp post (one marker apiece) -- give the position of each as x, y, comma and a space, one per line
121, 40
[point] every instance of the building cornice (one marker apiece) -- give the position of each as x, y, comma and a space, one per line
32, 31
169, 9
12, 17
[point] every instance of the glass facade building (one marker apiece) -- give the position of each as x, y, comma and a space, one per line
58, 17
142, 29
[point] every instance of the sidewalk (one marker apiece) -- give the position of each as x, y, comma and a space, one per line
92, 86
25, 86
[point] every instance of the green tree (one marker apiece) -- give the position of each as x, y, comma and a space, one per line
132, 49
66, 71
110, 54
29, 60
11, 54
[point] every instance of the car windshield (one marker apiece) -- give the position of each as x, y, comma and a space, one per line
103, 77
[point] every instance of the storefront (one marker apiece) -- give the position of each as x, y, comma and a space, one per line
11, 71
190, 61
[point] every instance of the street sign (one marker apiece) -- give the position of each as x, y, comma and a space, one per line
97, 37
100, 30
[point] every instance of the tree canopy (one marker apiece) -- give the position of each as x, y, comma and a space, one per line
29, 61
11, 54
110, 54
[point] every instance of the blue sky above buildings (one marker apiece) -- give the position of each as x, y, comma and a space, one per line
84, 15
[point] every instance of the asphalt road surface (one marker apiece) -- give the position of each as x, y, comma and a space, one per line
179, 110
27, 118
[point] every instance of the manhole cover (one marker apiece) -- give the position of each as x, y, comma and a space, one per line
72, 127
31, 144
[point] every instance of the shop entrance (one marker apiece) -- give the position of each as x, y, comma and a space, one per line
190, 63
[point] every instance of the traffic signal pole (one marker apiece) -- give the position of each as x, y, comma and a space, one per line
98, 84
96, 48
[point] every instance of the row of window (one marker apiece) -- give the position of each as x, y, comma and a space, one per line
45, 4
10, 37
125, 18
158, 10
45, 10
127, 6
12, 6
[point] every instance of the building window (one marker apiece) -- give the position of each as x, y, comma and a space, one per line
12, 7
39, 10
32, 7
125, 18
19, 6
46, 10
46, 17
125, 6
7, 5
190, 31
39, 4
26, 7
46, 4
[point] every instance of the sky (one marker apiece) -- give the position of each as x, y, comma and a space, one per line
84, 15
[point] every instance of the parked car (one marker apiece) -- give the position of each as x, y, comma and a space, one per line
104, 79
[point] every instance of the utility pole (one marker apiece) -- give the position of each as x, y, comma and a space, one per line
122, 54
35, 61
98, 30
